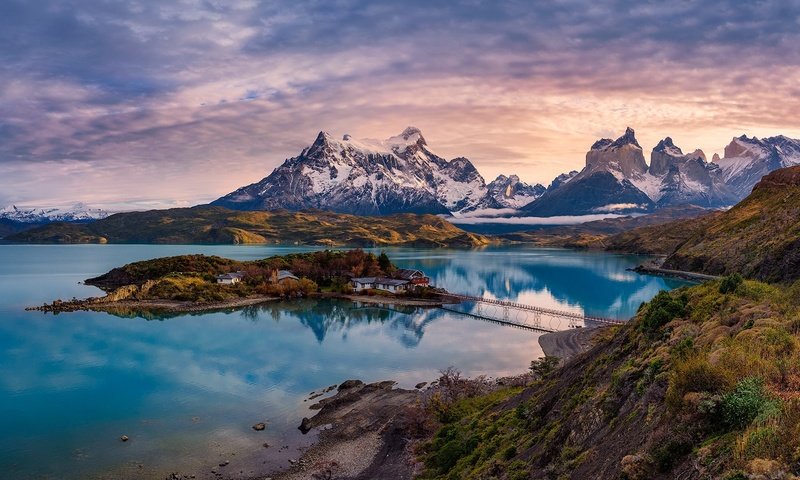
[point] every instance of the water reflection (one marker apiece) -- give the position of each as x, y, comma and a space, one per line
592, 283
72, 383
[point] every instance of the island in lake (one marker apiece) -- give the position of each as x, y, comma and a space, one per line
198, 283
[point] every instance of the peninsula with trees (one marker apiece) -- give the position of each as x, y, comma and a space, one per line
199, 283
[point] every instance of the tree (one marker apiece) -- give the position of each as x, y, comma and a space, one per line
384, 263
544, 366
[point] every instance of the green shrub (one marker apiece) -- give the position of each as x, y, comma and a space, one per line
447, 456
730, 283
668, 453
510, 452
544, 366
748, 401
661, 310
693, 373
683, 348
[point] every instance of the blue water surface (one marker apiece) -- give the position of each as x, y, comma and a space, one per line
187, 389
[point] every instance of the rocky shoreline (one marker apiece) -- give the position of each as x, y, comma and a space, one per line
362, 428
360, 435
569, 343
654, 268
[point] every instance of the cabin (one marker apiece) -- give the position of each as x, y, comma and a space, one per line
282, 276
392, 285
230, 278
362, 283
414, 277
403, 279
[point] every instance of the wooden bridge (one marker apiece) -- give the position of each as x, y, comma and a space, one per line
529, 317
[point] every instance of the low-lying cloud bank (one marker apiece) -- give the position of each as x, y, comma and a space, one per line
559, 220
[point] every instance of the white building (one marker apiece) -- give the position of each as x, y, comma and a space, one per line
230, 278
391, 285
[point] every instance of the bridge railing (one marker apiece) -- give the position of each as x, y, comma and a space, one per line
546, 311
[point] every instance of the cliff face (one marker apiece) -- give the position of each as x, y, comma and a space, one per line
623, 155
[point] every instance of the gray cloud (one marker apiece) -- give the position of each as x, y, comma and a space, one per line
183, 101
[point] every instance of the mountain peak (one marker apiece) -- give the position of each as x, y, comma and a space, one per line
322, 141
410, 131
667, 146
409, 136
628, 138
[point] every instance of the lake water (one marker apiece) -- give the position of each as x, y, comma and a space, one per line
187, 389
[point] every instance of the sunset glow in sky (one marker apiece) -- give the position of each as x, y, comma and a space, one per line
145, 104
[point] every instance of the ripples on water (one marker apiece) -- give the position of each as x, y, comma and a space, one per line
187, 389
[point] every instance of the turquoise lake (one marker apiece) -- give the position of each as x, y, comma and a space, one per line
187, 389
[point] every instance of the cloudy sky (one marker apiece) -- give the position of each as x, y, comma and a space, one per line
152, 103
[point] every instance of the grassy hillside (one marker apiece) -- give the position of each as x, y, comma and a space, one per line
759, 237
206, 224
660, 239
600, 234
704, 383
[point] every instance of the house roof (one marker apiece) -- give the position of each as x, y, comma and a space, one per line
408, 274
363, 280
230, 276
282, 274
390, 281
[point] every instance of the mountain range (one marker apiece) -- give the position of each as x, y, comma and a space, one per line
15, 219
403, 174
79, 212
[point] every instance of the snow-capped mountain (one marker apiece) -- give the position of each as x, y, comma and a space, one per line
746, 160
367, 177
79, 212
616, 178
607, 184
676, 178
508, 193
562, 179
403, 174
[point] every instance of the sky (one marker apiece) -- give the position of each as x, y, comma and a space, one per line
152, 104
